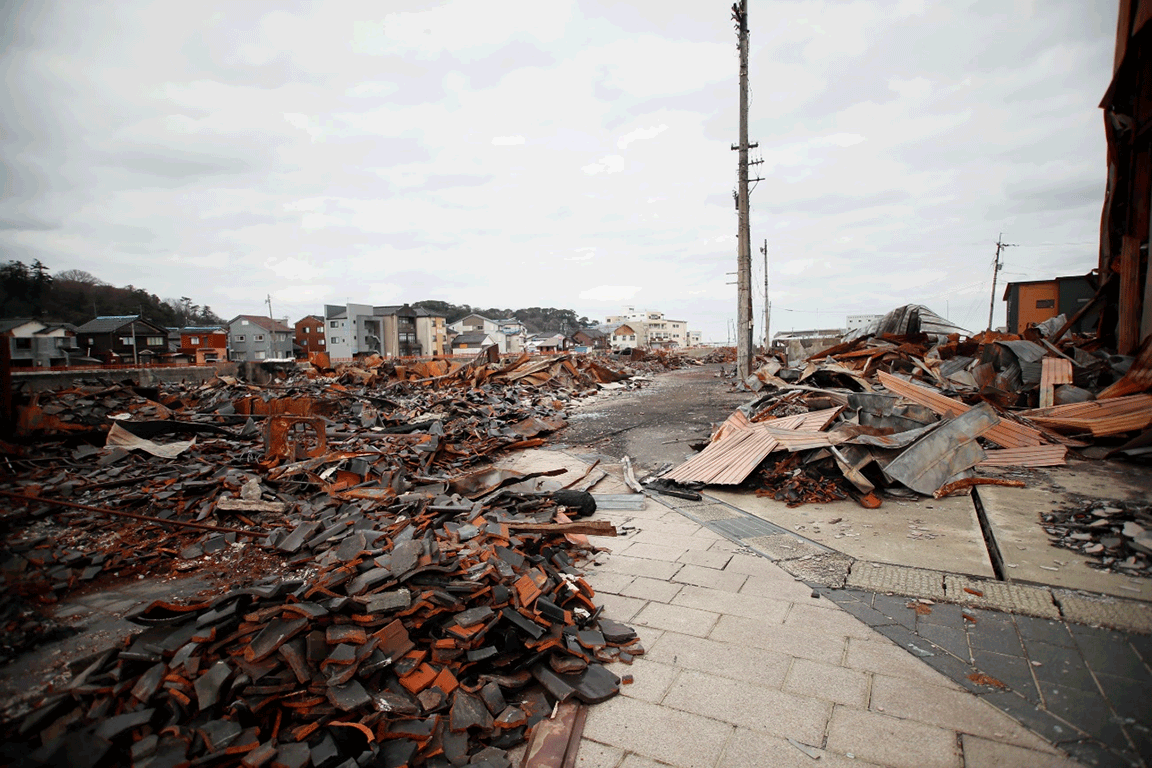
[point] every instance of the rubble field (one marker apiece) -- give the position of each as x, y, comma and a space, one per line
380, 594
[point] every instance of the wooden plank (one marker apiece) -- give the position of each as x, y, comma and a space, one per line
1128, 326
1006, 434
1054, 371
1032, 456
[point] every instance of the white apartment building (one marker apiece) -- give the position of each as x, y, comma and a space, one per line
651, 329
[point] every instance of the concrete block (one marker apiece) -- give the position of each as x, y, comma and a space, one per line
652, 589
698, 575
710, 512
739, 662
674, 618
887, 659
881, 577
639, 566
1127, 615
892, 742
829, 569
753, 749
813, 619
782, 546
762, 609
800, 643
706, 558
955, 710
776, 712
1001, 596
830, 683
987, 753
669, 735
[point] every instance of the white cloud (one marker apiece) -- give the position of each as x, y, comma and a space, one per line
293, 268
640, 134
794, 267
304, 123
507, 141
610, 293
609, 164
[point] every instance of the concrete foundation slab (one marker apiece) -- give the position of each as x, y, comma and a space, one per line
942, 534
1014, 516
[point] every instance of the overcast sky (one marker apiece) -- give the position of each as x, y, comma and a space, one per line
568, 154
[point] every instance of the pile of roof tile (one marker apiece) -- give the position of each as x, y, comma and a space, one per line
922, 412
1117, 534
380, 600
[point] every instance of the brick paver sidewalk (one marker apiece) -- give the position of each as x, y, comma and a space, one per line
745, 668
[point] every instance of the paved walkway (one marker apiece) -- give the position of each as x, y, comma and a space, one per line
744, 667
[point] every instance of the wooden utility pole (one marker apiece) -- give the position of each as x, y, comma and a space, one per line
767, 301
743, 237
996, 267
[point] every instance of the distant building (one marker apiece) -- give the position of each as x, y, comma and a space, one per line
626, 337
859, 321
253, 338
651, 328
472, 342
309, 336
123, 339
1034, 301
37, 344
204, 344
389, 331
695, 338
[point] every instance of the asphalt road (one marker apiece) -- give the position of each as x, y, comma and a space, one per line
658, 423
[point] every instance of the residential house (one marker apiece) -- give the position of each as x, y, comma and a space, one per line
472, 342
1034, 301
652, 329
590, 339
36, 344
204, 344
253, 338
549, 342
695, 338
123, 339
391, 331
475, 322
309, 336
513, 336
627, 337
412, 331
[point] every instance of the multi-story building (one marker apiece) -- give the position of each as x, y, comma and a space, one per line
510, 334
310, 335
651, 329
36, 344
390, 331
204, 343
628, 336
123, 339
254, 338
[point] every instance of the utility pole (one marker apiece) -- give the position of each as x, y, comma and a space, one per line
268, 300
767, 303
743, 237
996, 267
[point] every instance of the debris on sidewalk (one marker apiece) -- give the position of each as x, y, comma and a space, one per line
385, 595
1117, 535
912, 402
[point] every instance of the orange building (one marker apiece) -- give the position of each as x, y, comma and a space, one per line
204, 344
1033, 302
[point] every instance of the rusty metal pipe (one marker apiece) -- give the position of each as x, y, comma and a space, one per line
132, 515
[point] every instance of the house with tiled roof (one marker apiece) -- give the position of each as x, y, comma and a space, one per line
123, 339
256, 338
